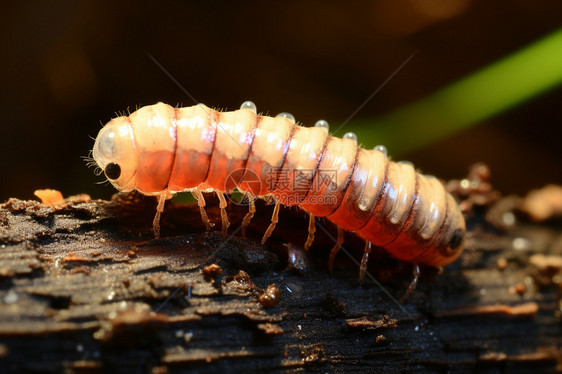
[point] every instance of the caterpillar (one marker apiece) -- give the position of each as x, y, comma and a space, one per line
160, 150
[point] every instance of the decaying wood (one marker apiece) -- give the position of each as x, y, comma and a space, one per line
85, 287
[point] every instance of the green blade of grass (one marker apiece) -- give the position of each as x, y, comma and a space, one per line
495, 88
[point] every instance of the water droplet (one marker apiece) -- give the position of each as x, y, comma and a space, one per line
350, 136
249, 105
381, 148
289, 116
322, 124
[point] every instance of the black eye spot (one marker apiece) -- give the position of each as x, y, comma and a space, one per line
112, 170
456, 239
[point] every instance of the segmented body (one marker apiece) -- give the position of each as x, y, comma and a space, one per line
160, 149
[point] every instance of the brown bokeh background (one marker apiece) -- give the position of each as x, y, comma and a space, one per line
67, 67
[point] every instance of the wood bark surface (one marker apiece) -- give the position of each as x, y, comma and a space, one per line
85, 287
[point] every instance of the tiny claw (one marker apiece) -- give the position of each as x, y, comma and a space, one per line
224, 215
335, 249
274, 220
311, 231
364, 261
251, 210
159, 209
413, 283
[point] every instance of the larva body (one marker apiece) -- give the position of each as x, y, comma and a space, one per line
160, 149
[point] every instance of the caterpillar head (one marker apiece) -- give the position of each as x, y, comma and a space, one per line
114, 152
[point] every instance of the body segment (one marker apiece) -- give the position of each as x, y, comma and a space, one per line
195, 140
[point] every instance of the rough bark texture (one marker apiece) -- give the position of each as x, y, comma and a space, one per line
84, 287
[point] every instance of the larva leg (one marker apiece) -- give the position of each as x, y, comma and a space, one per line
364, 261
335, 249
311, 231
159, 210
224, 216
413, 284
198, 195
274, 220
251, 210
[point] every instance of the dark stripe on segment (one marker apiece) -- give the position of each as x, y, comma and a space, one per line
258, 121
215, 116
379, 196
175, 121
442, 227
431, 245
315, 171
280, 168
348, 182
410, 212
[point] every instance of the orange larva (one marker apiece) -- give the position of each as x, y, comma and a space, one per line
159, 150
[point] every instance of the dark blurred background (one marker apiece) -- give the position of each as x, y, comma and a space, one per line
68, 67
